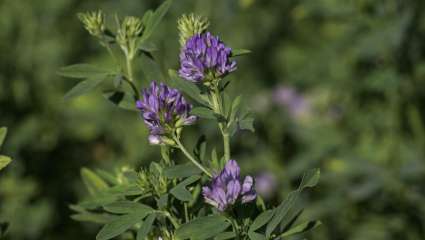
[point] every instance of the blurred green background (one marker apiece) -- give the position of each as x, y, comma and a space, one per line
333, 84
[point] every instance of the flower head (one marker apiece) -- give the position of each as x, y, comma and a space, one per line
164, 111
226, 188
296, 104
190, 25
205, 58
265, 184
94, 22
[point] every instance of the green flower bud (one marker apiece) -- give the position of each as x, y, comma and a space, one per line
94, 22
190, 25
130, 29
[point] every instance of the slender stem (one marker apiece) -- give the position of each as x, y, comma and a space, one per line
129, 69
218, 108
186, 214
226, 144
192, 159
173, 221
133, 87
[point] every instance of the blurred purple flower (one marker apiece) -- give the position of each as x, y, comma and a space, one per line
164, 110
289, 98
204, 55
265, 184
226, 188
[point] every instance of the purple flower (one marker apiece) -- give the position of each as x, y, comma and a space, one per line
164, 110
226, 188
289, 98
205, 56
265, 184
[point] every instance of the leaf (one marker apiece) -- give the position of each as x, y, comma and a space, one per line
256, 236
200, 148
119, 225
181, 171
240, 52
83, 71
93, 183
225, 235
148, 47
303, 227
281, 212
84, 87
123, 206
121, 99
180, 191
310, 178
261, 220
203, 112
234, 110
146, 227
3, 133
247, 124
154, 19
101, 218
4, 161
187, 87
203, 228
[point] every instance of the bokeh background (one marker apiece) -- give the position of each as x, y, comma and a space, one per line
333, 84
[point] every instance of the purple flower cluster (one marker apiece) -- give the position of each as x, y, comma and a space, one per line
164, 109
288, 97
204, 55
226, 188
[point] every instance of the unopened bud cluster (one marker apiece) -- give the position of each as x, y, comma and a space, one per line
94, 22
129, 31
190, 25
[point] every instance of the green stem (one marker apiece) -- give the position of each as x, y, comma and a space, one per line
129, 69
173, 221
226, 144
133, 87
186, 214
218, 108
192, 159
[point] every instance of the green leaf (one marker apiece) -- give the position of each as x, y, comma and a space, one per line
310, 178
83, 71
303, 227
240, 52
225, 235
148, 47
203, 112
235, 106
121, 99
100, 218
84, 87
200, 148
247, 124
119, 225
180, 191
203, 228
187, 87
256, 236
4, 161
181, 171
261, 220
93, 183
123, 206
154, 19
146, 227
3, 133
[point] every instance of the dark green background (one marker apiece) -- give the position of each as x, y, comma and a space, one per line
360, 64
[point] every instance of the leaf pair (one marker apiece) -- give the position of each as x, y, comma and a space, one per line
283, 215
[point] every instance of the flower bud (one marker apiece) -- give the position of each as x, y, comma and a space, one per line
130, 29
94, 22
190, 25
